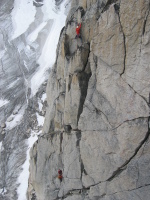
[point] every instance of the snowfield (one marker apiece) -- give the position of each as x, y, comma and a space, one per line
23, 15
15, 119
48, 55
23, 178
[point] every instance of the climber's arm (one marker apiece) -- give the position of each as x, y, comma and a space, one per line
80, 26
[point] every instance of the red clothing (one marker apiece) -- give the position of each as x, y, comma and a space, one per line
60, 176
78, 29
59, 171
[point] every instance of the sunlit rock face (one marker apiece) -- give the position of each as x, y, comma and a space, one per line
96, 128
29, 34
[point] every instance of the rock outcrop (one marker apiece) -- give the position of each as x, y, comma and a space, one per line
96, 128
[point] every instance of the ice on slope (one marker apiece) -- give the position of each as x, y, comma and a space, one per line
43, 97
40, 106
22, 16
3, 102
0, 145
16, 119
32, 37
23, 178
48, 55
40, 119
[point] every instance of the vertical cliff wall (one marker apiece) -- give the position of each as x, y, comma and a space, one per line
96, 128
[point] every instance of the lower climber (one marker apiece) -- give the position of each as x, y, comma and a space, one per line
60, 176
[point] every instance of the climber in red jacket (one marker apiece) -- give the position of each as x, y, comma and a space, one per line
60, 176
78, 31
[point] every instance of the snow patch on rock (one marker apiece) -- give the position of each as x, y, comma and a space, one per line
40, 119
3, 102
0, 145
33, 36
43, 97
48, 54
13, 83
23, 178
16, 119
40, 106
22, 16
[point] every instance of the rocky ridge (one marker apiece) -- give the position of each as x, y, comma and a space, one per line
96, 127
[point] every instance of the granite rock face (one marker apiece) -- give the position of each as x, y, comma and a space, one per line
96, 127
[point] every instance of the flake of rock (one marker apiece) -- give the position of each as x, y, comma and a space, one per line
3, 125
15, 112
38, 3
44, 84
1, 129
28, 131
42, 113
76, 192
3, 132
36, 130
10, 119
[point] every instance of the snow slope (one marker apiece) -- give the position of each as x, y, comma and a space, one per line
3, 102
48, 55
23, 15
23, 178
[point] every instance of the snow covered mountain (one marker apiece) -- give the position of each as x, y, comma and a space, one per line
29, 35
